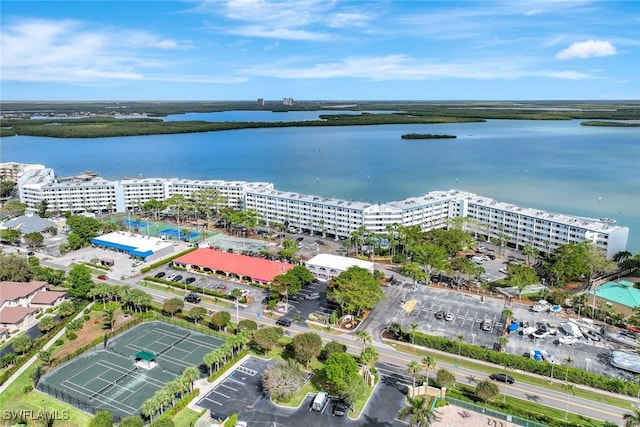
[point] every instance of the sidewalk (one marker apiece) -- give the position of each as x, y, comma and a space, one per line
31, 361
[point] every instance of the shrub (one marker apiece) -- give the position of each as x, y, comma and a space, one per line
71, 335
59, 341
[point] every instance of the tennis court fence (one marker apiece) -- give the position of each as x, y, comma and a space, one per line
81, 404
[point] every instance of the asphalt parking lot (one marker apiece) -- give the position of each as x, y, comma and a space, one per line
469, 311
241, 393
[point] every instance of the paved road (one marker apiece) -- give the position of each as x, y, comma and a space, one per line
377, 322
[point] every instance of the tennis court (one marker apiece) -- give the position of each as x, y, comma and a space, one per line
174, 233
104, 380
110, 379
238, 244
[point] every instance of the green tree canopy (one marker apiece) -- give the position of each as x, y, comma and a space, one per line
10, 235
220, 319
33, 239
83, 227
332, 347
355, 290
487, 390
79, 281
172, 306
102, 419
306, 347
266, 338
445, 378
132, 421
13, 208
14, 268
21, 344
341, 370
283, 379
521, 275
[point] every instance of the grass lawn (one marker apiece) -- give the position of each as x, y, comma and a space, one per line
14, 398
186, 418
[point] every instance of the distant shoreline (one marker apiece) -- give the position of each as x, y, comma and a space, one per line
611, 124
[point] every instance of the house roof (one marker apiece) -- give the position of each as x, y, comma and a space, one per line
621, 292
47, 297
29, 224
11, 291
14, 315
337, 262
258, 269
3, 331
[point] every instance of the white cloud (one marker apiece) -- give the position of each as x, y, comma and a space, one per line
402, 67
587, 49
65, 50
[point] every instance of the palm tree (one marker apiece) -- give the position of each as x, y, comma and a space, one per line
396, 329
414, 369
209, 359
150, 407
173, 387
109, 317
502, 342
428, 362
363, 336
191, 373
570, 390
418, 412
633, 419
413, 326
507, 313
460, 339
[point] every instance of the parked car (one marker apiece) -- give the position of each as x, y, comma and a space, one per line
486, 325
172, 276
312, 296
192, 298
449, 316
503, 378
283, 322
160, 274
300, 239
177, 278
102, 277
189, 280
440, 315
340, 408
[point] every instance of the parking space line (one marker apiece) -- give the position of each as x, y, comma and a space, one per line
213, 401
215, 390
234, 380
475, 316
464, 319
230, 388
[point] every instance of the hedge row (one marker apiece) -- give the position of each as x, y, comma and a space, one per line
165, 261
36, 347
575, 375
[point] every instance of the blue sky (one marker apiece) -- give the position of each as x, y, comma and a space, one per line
320, 50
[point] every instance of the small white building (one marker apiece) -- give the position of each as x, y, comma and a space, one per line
326, 266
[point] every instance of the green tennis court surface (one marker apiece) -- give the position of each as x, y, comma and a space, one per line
110, 379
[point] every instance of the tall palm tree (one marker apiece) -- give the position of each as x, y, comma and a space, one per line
460, 339
150, 407
414, 327
364, 336
414, 369
633, 419
191, 373
428, 362
418, 412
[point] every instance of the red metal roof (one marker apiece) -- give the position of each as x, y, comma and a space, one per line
15, 315
259, 269
12, 291
47, 297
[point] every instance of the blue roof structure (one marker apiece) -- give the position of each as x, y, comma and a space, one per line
133, 244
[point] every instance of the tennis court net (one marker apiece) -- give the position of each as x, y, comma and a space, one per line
112, 383
182, 338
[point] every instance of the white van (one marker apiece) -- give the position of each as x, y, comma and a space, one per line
477, 259
320, 401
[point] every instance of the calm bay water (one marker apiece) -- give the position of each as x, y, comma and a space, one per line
558, 166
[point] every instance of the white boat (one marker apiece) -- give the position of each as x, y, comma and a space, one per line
571, 329
627, 361
568, 340
529, 330
624, 339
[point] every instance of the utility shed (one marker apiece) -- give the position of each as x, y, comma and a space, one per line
326, 266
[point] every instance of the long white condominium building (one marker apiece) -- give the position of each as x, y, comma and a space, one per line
514, 225
11, 171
